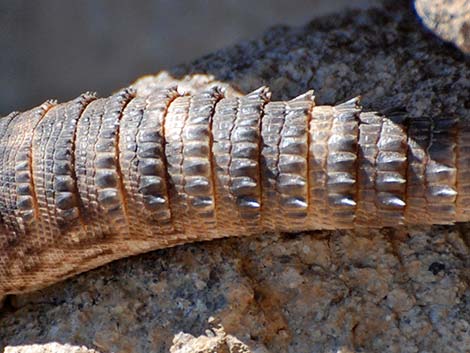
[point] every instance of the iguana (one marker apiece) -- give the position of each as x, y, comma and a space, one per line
96, 179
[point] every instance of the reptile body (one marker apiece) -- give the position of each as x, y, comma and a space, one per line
96, 179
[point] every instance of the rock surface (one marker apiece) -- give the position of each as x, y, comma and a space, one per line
394, 290
449, 19
49, 348
215, 340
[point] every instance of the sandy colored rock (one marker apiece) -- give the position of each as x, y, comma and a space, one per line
49, 348
395, 290
448, 19
213, 341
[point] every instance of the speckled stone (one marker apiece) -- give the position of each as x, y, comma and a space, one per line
394, 290
49, 348
215, 340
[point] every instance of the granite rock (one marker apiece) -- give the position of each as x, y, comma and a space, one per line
214, 341
390, 290
49, 348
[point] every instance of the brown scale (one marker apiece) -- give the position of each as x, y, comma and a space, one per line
273, 121
43, 168
370, 128
174, 125
222, 129
152, 162
187, 168
441, 172
31, 234
6, 235
86, 138
60, 188
26, 195
432, 186
17, 127
245, 166
197, 165
42, 149
341, 165
129, 127
391, 169
319, 131
332, 166
54, 125
419, 131
66, 198
292, 181
107, 178
142, 164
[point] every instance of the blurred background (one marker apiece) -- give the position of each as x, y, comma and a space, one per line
58, 49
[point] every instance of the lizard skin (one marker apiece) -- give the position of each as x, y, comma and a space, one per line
96, 179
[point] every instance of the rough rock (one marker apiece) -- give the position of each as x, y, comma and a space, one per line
49, 348
391, 290
216, 341
449, 19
